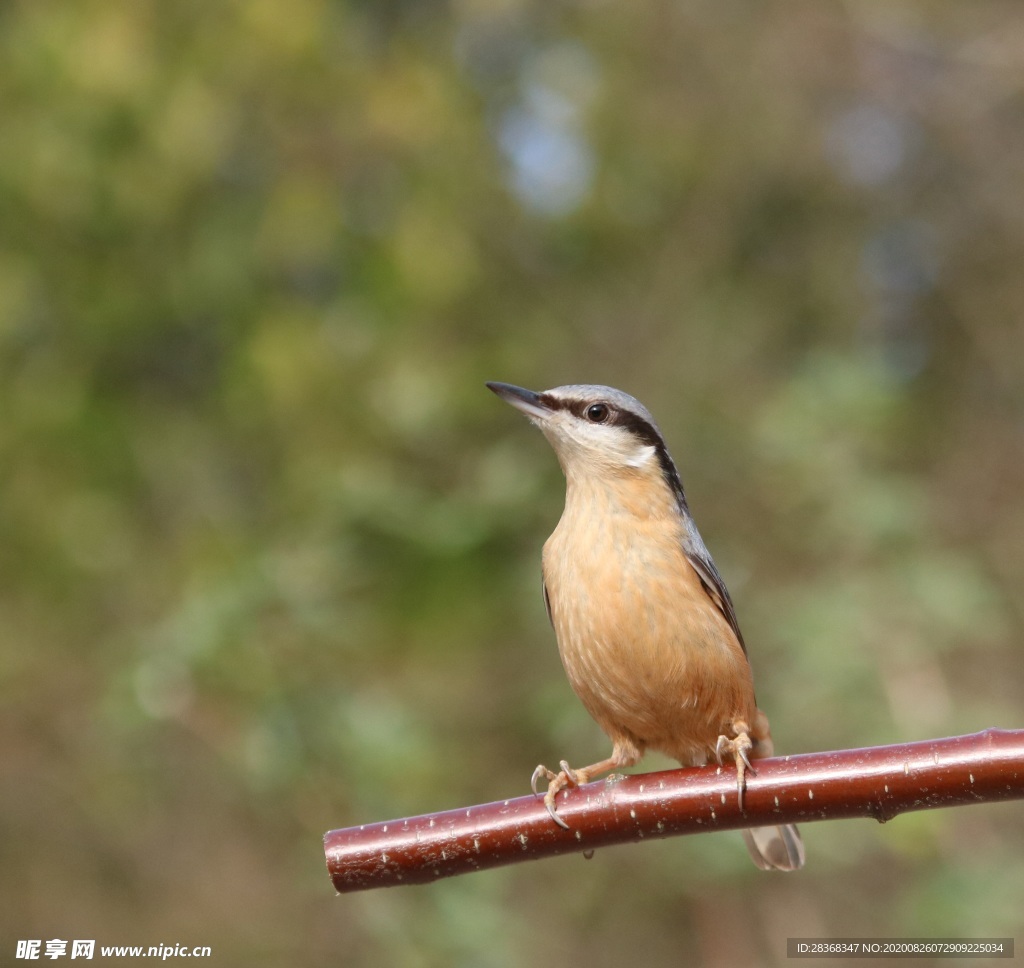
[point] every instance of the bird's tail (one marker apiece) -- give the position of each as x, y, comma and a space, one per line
775, 848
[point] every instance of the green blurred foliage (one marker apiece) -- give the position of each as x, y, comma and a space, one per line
269, 550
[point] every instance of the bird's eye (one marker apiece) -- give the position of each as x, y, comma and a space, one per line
598, 412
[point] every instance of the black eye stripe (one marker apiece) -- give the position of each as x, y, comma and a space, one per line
581, 408
642, 429
639, 428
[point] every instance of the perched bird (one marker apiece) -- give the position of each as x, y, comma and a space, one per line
646, 629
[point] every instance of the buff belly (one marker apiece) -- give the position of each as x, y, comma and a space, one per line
643, 645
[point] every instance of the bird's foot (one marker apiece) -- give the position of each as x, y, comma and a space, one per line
625, 753
556, 783
738, 749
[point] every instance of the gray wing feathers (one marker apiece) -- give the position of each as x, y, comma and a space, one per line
700, 558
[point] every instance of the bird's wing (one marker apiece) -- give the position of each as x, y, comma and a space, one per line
700, 558
547, 600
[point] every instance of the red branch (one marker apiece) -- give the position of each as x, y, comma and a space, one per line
881, 782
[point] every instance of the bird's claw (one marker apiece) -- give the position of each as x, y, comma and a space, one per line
549, 802
556, 783
738, 748
570, 774
541, 771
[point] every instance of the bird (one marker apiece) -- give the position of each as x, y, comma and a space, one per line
646, 629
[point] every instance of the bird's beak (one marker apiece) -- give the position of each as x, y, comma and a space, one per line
529, 402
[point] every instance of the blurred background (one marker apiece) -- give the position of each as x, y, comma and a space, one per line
269, 550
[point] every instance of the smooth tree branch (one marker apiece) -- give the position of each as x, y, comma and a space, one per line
880, 782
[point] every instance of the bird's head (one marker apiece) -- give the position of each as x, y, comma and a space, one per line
595, 430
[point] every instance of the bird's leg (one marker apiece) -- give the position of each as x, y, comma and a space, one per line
738, 748
624, 753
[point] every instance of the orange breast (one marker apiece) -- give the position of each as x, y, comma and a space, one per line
643, 645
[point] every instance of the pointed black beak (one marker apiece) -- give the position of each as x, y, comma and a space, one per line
529, 402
